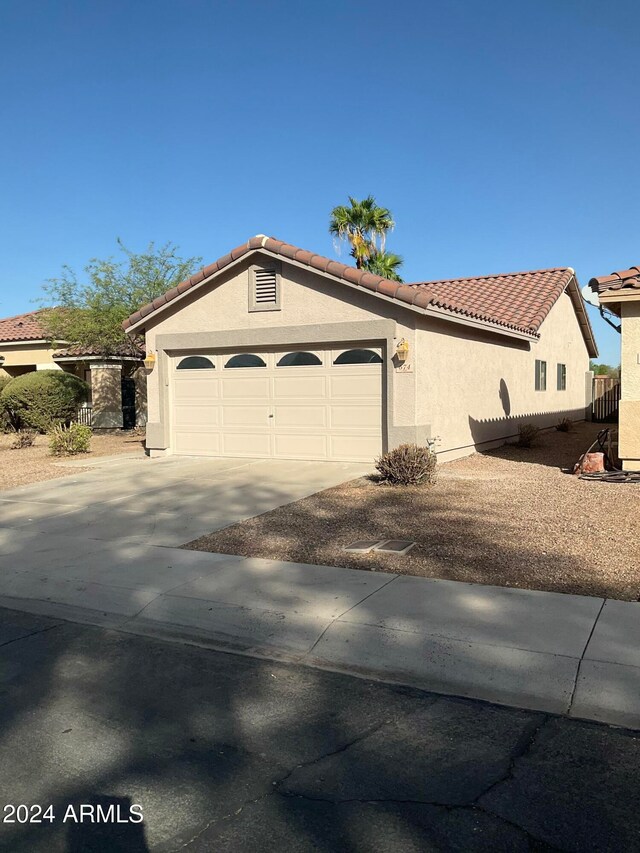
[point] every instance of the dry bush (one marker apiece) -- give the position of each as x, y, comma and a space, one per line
565, 425
527, 435
408, 465
23, 438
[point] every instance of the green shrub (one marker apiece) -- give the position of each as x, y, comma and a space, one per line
527, 435
23, 438
5, 423
565, 425
41, 399
69, 440
408, 465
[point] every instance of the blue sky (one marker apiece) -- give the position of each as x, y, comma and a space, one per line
502, 135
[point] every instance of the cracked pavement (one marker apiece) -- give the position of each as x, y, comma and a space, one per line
230, 753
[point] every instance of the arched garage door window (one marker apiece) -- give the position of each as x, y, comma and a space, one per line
245, 359
195, 362
298, 359
358, 356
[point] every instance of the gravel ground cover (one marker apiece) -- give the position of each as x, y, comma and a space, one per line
33, 464
510, 517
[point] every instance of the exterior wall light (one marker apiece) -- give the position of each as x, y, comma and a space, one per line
150, 362
402, 350
2, 360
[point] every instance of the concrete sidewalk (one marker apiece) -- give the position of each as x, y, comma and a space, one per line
544, 651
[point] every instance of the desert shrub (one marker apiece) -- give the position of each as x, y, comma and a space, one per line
527, 435
408, 465
43, 398
565, 425
23, 438
69, 440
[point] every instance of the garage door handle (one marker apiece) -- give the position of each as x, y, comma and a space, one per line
270, 416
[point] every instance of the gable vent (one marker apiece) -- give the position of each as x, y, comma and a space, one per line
266, 292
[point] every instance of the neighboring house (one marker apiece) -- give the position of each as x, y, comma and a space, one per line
273, 351
118, 386
620, 294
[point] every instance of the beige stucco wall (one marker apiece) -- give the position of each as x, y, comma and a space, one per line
629, 435
26, 355
469, 386
476, 387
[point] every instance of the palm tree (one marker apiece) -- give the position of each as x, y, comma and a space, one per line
385, 264
362, 224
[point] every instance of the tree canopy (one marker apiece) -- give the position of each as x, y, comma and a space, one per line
89, 310
365, 225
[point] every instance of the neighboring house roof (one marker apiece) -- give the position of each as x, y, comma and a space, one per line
621, 280
511, 301
22, 327
79, 352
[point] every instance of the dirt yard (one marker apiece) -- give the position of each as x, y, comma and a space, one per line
33, 464
510, 517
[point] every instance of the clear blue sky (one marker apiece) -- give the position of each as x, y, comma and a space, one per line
503, 135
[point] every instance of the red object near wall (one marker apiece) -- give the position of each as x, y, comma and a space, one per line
590, 463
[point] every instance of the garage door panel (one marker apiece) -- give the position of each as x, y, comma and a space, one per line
207, 416
197, 442
300, 416
355, 416
187, 389
355, 385
296, 446
296, 387
249, 416
246, 387
246, 443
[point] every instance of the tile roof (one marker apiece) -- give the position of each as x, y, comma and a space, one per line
22, 327
621, 280
519, 300
515, 301
121, 351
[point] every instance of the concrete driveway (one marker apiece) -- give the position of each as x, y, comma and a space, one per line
163, 501
99, 547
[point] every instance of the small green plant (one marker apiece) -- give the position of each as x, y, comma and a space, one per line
23, 438
67, 441
408, 465
565, 425
527, 435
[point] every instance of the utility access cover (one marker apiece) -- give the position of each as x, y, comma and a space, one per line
395, 546
364, 545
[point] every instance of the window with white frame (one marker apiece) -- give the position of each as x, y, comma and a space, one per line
562, 377
541, 375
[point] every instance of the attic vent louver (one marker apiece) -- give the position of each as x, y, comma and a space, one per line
266, 287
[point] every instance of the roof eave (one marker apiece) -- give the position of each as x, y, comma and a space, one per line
429, 311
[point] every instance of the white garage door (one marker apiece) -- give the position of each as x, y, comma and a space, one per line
292, 404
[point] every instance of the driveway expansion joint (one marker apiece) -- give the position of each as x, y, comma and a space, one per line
584, 651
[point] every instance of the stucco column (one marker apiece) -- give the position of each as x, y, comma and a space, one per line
106, 394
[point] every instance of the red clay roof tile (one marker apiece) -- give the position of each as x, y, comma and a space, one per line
621, 280
517, 301
22, 327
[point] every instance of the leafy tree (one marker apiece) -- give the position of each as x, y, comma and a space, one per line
385, 264
362, 224
89, 311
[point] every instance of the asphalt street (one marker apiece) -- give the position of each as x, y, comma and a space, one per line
115, 742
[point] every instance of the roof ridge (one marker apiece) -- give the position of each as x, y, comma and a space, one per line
491, 276
522, 309
24, 314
